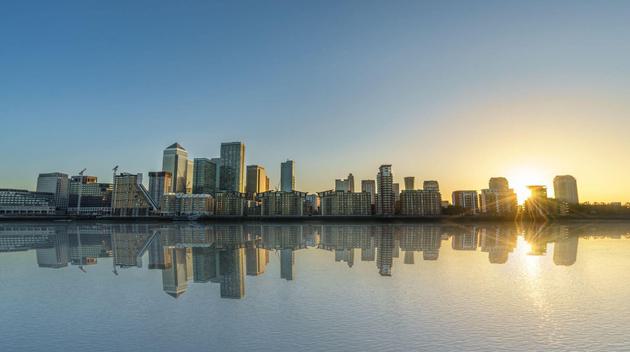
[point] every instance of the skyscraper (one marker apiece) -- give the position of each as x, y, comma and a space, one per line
287, 176
205, 176
410, 183
346, 185
369, 186
58, 184
256, 180
160, 183
386, 198
499, 184
232, 173
565, 189
175, 160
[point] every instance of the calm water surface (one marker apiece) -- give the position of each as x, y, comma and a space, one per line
314, 287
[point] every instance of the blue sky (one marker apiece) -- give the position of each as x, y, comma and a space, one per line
451, 90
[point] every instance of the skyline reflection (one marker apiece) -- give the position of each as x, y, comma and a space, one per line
223, 254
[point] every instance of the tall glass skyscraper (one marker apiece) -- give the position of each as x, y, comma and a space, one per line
287, 176
175, 161
204, 181
232, 167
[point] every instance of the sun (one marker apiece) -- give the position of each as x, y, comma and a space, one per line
522, 177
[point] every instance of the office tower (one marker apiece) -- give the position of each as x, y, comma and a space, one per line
466, 200
282, 203
396, 190
431, 186
287, 262
160, 183
23, 202
498, 199
369, 186
498, 184
205, 176
232, 167
232, 271
175, 160
346, 185
217, 182
287, 176
410, 183
175, 275
336, 203
130, 198
267, 183
56, 183
386, 197
256, 180
565, 189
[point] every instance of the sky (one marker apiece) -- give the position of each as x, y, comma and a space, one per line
457, 91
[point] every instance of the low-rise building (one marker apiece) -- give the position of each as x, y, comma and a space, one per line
274, 203
23, 202
96, 198
229, 203
187, 204
466, 201
130, 198
420, 203
340, 203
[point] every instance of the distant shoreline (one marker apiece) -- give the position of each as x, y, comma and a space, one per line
303, 219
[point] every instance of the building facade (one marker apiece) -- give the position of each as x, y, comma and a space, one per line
160, 183
385, 199
410, 183
96, 198
498, 199
205, 176
345, 185
342, 203
565, 189
232, 172
187, 204
467, 201
229, 203
23, 202
282, 203
420, 203
287, 176
58, 184
369, 186
130, 198
175, 160
256, 181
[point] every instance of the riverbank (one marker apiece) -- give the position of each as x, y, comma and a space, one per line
304, 219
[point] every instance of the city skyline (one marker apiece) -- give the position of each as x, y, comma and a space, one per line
465, 92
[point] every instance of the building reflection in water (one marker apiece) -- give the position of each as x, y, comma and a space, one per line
224, 254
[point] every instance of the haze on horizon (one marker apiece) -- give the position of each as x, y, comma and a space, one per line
456, 91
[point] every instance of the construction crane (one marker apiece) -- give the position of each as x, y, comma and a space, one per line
80, 190
114, 170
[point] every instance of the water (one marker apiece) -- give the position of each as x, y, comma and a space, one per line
314, 287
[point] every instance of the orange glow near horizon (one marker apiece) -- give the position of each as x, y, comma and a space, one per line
522, 177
